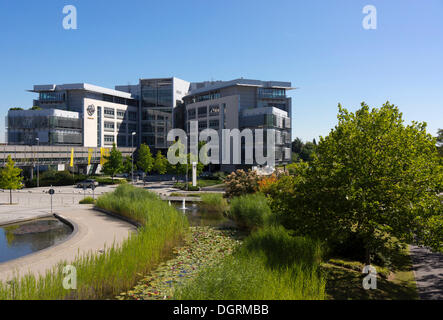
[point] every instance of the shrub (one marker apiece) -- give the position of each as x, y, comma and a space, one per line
250, 211
87, 200
55, 178
271, 265
106, 181
213, 202
240, 183
182, 186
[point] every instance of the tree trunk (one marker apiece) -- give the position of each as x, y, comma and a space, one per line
10, 196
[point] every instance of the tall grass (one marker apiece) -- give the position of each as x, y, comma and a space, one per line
213, 203
119, 267
250, 211
270, 265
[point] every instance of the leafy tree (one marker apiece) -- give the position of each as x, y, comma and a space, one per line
297, 145
35, 108
114, 162
145, 160
10, 177
127, 165
372, 177
440, 141
303, 151
307, 151
160, 163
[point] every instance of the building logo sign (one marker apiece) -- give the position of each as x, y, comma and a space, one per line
90, 110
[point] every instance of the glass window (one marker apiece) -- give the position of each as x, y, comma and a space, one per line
271, 93
191, 114
214, 124
120, 114
202, 111
109, 112
214, 110
202, 125
132, 115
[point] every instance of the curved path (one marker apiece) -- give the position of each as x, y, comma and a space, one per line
93, 231
428, 271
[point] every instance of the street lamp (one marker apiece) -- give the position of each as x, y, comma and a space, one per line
132, 158
38, 168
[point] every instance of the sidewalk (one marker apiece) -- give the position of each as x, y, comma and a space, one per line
428, 271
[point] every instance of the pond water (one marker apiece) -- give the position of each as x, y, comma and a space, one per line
21, 239
202, 217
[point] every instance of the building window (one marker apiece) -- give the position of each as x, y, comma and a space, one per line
202, 125
214, 124
109, 139
52, 96
202, 112
148, 127
132, 115
191, 114
109, 126
108, 98
120, 114
214, 110
121, 140
109, 113
272, 93
132, 127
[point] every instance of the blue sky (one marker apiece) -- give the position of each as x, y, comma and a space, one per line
320, 46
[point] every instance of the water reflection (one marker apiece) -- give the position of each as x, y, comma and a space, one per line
199, 216
21, 239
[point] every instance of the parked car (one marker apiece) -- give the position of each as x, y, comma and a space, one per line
87, 183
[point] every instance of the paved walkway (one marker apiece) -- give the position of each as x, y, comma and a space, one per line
428, 270
93, 231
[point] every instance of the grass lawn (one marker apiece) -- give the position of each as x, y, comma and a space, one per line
344, 280
208, 182
178, 194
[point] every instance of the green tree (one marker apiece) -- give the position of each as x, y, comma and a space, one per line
145, 161
10, 177
373, 177
303, 151
297, 145
114, 162
127, 165
440, 141
307, 151
160, 163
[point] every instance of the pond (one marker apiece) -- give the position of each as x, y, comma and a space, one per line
21, 239
200, 217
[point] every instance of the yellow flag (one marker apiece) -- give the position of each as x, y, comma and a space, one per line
103, 153
71, 164
90, 151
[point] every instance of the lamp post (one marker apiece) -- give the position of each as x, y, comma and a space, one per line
132, 157
38, 167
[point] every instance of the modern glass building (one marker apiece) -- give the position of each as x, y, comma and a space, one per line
241, 104
45, 127
160, 108
91, 116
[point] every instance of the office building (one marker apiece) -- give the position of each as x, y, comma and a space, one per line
240, 104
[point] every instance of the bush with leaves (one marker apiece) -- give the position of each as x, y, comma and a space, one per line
240, 183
